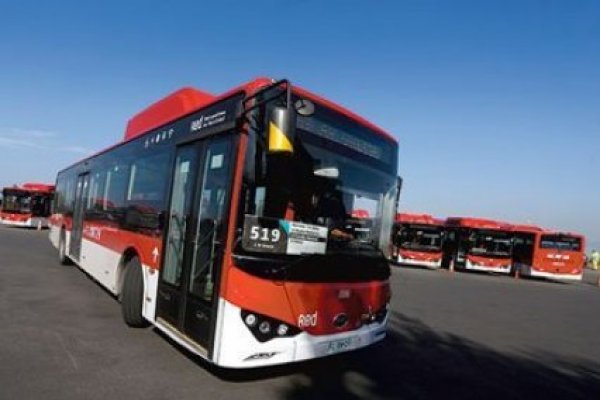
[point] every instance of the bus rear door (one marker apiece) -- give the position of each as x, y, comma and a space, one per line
81, 195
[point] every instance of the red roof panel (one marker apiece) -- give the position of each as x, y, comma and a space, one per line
34, 187
424, 219
167, 109
478, 223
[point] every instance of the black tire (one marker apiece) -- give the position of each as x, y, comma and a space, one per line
132, 295
62, 250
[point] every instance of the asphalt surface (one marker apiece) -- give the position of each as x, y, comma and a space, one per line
452, 335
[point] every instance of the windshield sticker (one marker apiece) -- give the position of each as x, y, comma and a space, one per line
279, 236
216, 161
305, 238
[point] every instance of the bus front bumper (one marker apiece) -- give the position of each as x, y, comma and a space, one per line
527, 270
239, 349
504, 269
419, 263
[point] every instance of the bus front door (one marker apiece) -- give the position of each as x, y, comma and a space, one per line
189, 281
81, 195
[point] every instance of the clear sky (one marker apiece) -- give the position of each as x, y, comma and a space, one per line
496, 103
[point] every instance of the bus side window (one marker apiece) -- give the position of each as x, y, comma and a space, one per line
117, 178
94, 207
146, 191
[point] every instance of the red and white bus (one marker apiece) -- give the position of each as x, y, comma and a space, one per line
478, 244
27, 205
418, 240
547, 254
226, 222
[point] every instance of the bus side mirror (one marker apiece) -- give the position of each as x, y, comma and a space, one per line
282, 130
399, 182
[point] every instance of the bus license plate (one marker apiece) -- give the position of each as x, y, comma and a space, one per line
337, 346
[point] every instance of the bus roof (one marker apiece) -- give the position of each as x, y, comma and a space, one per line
478, 223
525, 228
423, 219
560, 233
33, 187
177, 104
188, 100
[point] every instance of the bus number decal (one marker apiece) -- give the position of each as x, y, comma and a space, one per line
264, 235
272, 235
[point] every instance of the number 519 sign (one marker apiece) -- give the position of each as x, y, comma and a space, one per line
273, 235
264, 235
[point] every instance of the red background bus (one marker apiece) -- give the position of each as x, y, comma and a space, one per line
27, 205
226, 222
548, 254
478, 244
418, 240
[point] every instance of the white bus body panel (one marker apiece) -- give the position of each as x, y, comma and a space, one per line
527, 270
474, 267
239, 349
32, 222
419, 263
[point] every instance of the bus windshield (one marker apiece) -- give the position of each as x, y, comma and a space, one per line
420, 238
335, 194
560, 242
17, 201
491, 244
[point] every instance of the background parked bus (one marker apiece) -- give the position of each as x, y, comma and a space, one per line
418, 240
547, 254
27, 205
478, 244
227, 222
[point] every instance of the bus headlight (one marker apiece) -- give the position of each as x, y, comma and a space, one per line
265, 328
250, 320
282, 329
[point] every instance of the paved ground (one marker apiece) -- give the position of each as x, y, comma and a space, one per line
456, 335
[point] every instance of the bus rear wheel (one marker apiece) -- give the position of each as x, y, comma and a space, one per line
132, 295
62, 249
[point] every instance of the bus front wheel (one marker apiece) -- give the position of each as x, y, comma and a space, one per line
132, 294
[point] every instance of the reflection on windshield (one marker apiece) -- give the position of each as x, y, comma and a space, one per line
24, 203
321, 185
294, 192
490, 244
420, 239
17, 202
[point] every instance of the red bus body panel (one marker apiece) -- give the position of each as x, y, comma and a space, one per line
176, 105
